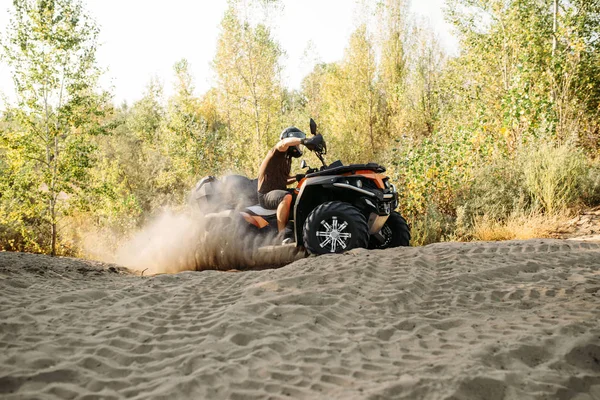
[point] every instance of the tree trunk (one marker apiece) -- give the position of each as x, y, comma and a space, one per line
554, 40
53, 225
54, 196
257, 122
554, 28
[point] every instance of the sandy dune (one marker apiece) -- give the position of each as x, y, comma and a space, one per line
509, 320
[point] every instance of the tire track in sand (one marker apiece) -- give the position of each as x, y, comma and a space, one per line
508, 320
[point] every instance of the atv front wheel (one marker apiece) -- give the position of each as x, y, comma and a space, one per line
395, 233
334, 227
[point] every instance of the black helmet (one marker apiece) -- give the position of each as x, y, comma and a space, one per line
292, 131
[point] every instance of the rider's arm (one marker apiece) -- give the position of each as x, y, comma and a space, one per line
287, 142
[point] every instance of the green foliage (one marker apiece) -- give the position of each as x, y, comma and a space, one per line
249, 91
496, 191
544, 179
431, 226
554, 176
526, 74
155, 155
50, 46
591, 184
431, 170
505, 130
191, 148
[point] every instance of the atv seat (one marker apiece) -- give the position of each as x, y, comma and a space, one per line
260, 211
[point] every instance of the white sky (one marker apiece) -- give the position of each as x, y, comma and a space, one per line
144, 38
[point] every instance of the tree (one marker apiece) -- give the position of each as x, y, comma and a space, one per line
393, 67
248, 70
51, 47
351, 101
133, 156
192, 139
422, 100
529, 67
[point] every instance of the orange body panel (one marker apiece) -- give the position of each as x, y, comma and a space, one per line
257, 221
297, 190
378, 178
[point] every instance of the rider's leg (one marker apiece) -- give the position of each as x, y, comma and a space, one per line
283, 212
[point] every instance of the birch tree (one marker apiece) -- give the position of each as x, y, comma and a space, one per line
50, 46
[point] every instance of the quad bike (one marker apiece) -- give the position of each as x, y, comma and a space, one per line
335, 207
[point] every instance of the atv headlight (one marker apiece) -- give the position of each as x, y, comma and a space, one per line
359, 183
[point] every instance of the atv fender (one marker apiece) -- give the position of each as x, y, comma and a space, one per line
309, 197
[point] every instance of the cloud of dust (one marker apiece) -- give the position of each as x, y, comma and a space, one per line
200, 239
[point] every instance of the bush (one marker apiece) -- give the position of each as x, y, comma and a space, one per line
25, 235
429, 171
548, 179
430, 227
514, 197
496, 191
554, 176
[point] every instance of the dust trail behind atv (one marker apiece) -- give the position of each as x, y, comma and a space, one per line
180, 241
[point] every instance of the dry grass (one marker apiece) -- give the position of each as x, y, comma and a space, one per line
554, 176
519, 227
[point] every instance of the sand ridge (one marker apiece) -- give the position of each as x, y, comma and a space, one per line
506, 320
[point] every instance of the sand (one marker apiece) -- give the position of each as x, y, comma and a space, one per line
506, 320
585, 226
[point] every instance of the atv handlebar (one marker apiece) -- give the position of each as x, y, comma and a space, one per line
317, 145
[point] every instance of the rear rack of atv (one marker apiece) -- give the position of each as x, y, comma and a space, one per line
344, 169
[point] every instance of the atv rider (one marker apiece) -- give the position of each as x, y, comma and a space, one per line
274, 174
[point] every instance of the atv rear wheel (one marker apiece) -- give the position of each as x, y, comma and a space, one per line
395, 233
334, 227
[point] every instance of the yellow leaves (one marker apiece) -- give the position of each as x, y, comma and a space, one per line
506, 134
509, 138
431, 173
249, 93
478, 137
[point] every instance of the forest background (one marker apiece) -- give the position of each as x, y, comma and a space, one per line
500, 141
